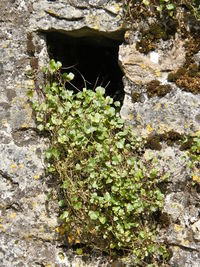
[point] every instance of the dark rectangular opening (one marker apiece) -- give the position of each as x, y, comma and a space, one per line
92, 58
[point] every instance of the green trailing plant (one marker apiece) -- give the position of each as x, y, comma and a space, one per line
168, 17
163, 7
110, 194
194, 156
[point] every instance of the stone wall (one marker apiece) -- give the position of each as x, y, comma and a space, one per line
30, 234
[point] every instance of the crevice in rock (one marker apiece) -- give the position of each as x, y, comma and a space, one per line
31, 238
40, 264
14, 206
7, 177
183, 247
57, 16
25, 136
92, 56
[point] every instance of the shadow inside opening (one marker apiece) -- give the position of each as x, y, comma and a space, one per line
93, 60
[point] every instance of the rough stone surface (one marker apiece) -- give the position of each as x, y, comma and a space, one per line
103, 16
141, 69
164, 121
30, 233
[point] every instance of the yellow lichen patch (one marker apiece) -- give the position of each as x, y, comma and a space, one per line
35, 204
4, 121
13, 167
96, 24
185, 242
166, 106
157, 73
37, 176
28, 236
176, 248
42, 228
144, 66
51, 11
93, 19
28, 157
25, 125
4, 45
177, 227
196, 178
117, 8
2, 228
27, 107
21, 166
13, 215
130, 117
149, 129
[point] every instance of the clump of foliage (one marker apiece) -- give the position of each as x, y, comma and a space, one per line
167, 18
110, 195
193, 143
162, 7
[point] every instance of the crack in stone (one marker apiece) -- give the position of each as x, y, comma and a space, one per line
7, 177
184, 247
32, 237
40, 264
57, 16
14, 206
23, 129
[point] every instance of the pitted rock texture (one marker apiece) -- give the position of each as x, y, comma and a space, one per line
103, 16
164, 120
30, 233
176, 111
140, 68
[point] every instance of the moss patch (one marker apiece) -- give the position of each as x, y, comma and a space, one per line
154, 88
150, 38
30, 45
188, 79
135, 96
34, 63
171, 137
188, 76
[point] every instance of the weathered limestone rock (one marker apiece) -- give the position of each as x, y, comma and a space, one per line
141, 69
103, 16
164, 119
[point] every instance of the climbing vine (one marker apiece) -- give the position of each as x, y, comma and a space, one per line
110, 193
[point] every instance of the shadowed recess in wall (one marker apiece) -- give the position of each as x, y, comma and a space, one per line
92, 58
